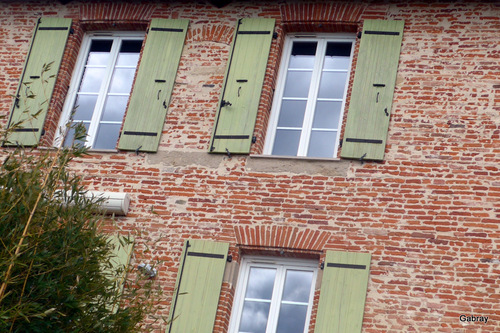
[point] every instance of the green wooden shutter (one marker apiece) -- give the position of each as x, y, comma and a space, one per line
153, 85
239, 102
37, 81
373, 89
343, 292
122, 251
198, 286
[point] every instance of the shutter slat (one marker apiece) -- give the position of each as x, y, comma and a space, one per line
153, 85
343, 292
234, 122
198, 286
35, 89
367, 123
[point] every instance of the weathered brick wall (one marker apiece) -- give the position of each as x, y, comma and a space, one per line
429, 213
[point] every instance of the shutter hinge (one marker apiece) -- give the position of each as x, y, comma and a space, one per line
275, 35
229, 258
359, 35
254, 139
137, 150
224, 103
341, 142
16, 102
228, 153
362, 159
322, 265
71, 31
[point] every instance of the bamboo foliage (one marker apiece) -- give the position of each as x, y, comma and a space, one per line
55, 263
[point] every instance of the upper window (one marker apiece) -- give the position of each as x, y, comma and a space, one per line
273, 295
310, 96
101, 87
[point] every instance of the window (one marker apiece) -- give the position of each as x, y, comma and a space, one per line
310, 96
273, 295
101, 87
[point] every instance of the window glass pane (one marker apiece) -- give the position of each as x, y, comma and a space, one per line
297, 286
303, 54
286, 142
70, 136
337, 56
327, 114
131, 46
260, 283
254, 317
292, 318
292, 113
107, 136
99, 52
127, 59
84, 107
122, 80
114, 108
101, 45
92, 79
297, 84
321, 144
129, 53
332, 85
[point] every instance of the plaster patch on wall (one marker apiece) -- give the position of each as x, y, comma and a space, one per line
181, 158
336, 168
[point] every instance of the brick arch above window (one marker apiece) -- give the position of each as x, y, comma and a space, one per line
281, 237
322, 12
321, 17
116, 11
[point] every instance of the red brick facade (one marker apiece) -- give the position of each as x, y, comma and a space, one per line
428, 213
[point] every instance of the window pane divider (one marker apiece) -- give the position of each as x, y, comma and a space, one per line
318, 129
335, 70
295, 98
295, 303
311, 103
117, 94
289, 128
258, 300
324, 99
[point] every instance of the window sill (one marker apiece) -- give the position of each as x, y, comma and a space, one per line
299, 158
331, 167
103, 151
90, 151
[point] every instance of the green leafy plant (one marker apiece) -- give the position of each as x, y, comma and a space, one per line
57, 271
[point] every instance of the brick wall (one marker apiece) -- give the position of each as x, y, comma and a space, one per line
429, 213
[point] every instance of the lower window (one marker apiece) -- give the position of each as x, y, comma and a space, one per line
273, 295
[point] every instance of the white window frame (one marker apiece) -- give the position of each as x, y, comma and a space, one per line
282, 264
322, 39
77, 76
